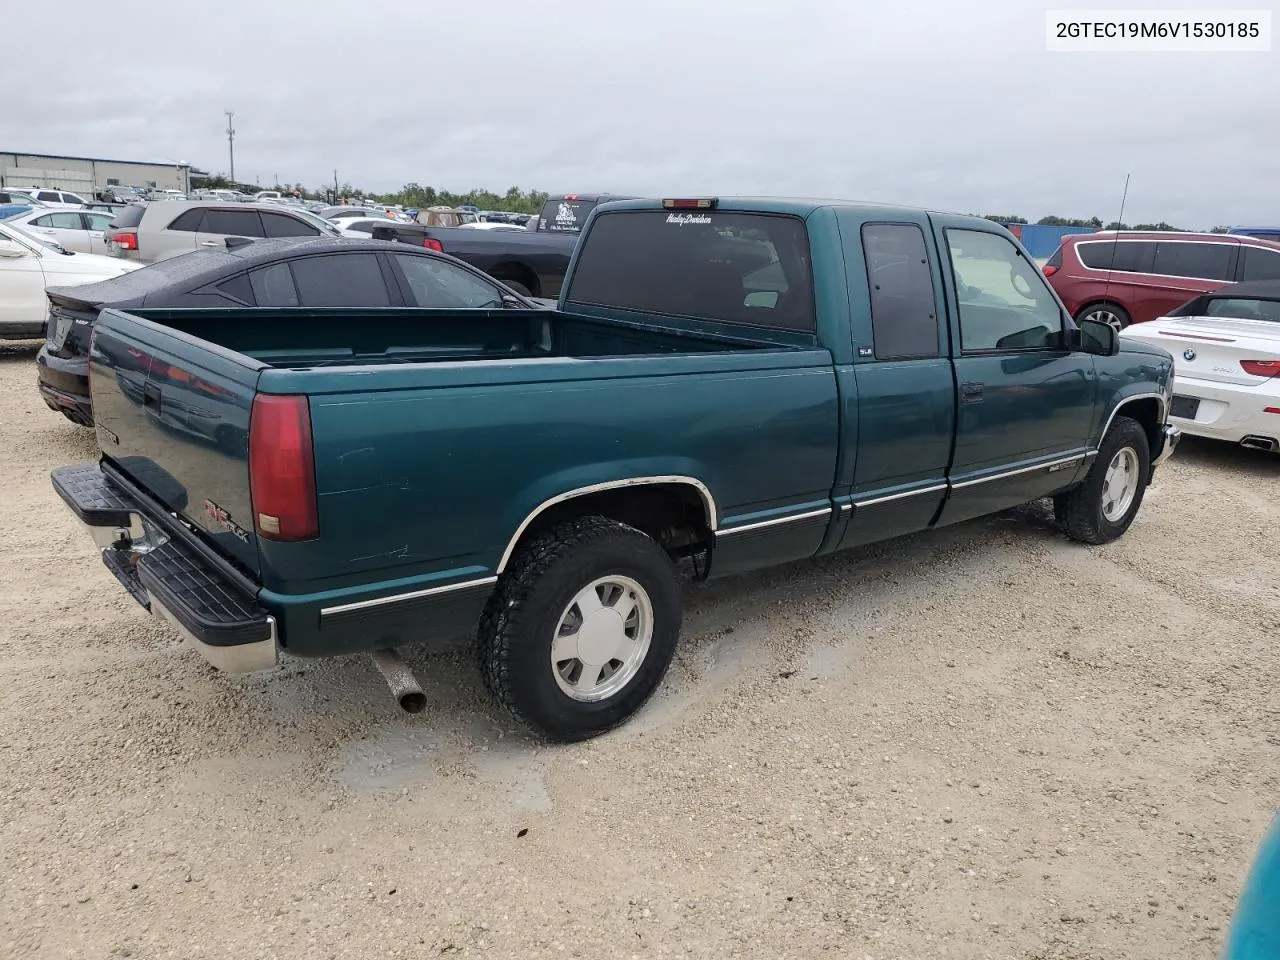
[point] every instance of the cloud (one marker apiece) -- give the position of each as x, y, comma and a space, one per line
945, 104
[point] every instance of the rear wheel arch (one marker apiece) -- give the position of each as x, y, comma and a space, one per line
678, 512
513, 271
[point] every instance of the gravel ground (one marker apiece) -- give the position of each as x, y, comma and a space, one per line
986, 742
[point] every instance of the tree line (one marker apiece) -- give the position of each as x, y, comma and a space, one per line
1094, 222
515, 200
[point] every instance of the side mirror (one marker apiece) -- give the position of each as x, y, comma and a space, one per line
10, 249
1098, 338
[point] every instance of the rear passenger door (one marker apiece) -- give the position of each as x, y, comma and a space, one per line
1185, 269
1025, 401
905, 390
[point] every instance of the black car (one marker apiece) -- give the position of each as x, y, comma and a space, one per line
533, 266
286, 272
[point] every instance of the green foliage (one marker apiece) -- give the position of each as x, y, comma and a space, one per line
1219, 229
999, 219
1158, 226
1052, 221
514, 200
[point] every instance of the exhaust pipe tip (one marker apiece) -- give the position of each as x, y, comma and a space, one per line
413, 702
1260, 443
404, 685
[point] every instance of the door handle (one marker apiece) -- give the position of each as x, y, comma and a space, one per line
208, 243
970, 392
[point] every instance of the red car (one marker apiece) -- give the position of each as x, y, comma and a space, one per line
1131, 277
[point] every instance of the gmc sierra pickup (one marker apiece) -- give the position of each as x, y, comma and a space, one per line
734, 383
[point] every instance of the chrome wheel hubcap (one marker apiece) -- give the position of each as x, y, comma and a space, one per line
602, 638
1120, 485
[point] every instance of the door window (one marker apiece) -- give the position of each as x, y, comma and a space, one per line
1129, 256
232, 223
1202, 261
434, 283
342, 280
1004, 302
64, 221
903, 309
99, 221
279, 225
1260, 264
273, 286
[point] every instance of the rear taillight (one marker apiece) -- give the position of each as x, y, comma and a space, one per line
1261, 368
1049, 271
282, 471
431, 243
125, 239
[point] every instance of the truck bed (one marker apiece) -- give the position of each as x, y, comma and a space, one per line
424, 414
305, 339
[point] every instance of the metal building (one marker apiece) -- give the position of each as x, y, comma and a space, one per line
88, 175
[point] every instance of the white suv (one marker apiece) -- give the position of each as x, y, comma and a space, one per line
167, 228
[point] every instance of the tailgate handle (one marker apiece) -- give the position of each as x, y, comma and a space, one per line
151, 398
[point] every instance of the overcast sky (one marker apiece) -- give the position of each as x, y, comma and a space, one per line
946, 103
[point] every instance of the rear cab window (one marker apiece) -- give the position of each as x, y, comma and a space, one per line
904, 324
747, 268
565, 214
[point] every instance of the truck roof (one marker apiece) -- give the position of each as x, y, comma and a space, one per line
796, 206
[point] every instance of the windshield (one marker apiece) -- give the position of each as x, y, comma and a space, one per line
324, 226
1240, 308
29, 240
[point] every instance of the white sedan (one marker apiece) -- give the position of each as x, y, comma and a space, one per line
29, 264
81, 231
1226, 363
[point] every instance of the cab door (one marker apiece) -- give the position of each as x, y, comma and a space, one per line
904, 403
1024, 399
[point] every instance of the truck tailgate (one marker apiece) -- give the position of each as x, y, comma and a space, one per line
172, 413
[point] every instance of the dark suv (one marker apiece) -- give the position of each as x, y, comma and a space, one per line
1131, 277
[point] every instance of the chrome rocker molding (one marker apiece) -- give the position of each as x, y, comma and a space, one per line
898, 496
1049, 466
775, 522
402, 597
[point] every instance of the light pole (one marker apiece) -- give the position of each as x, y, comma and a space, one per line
231, 147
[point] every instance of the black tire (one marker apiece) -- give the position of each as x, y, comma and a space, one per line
523, 615
517, 286
1110, 313
1081, 511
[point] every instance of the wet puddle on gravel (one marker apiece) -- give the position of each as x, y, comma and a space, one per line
409, 757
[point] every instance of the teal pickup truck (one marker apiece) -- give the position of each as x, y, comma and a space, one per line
727, 383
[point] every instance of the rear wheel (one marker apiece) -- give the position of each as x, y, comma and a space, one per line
581, 628
517, 286
1104, 506
1112, 314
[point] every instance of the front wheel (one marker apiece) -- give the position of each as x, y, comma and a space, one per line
1103, 507
581, 628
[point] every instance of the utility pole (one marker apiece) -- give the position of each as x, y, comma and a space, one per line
335, 186
231, 147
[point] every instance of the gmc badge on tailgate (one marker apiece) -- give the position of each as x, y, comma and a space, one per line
223, 519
